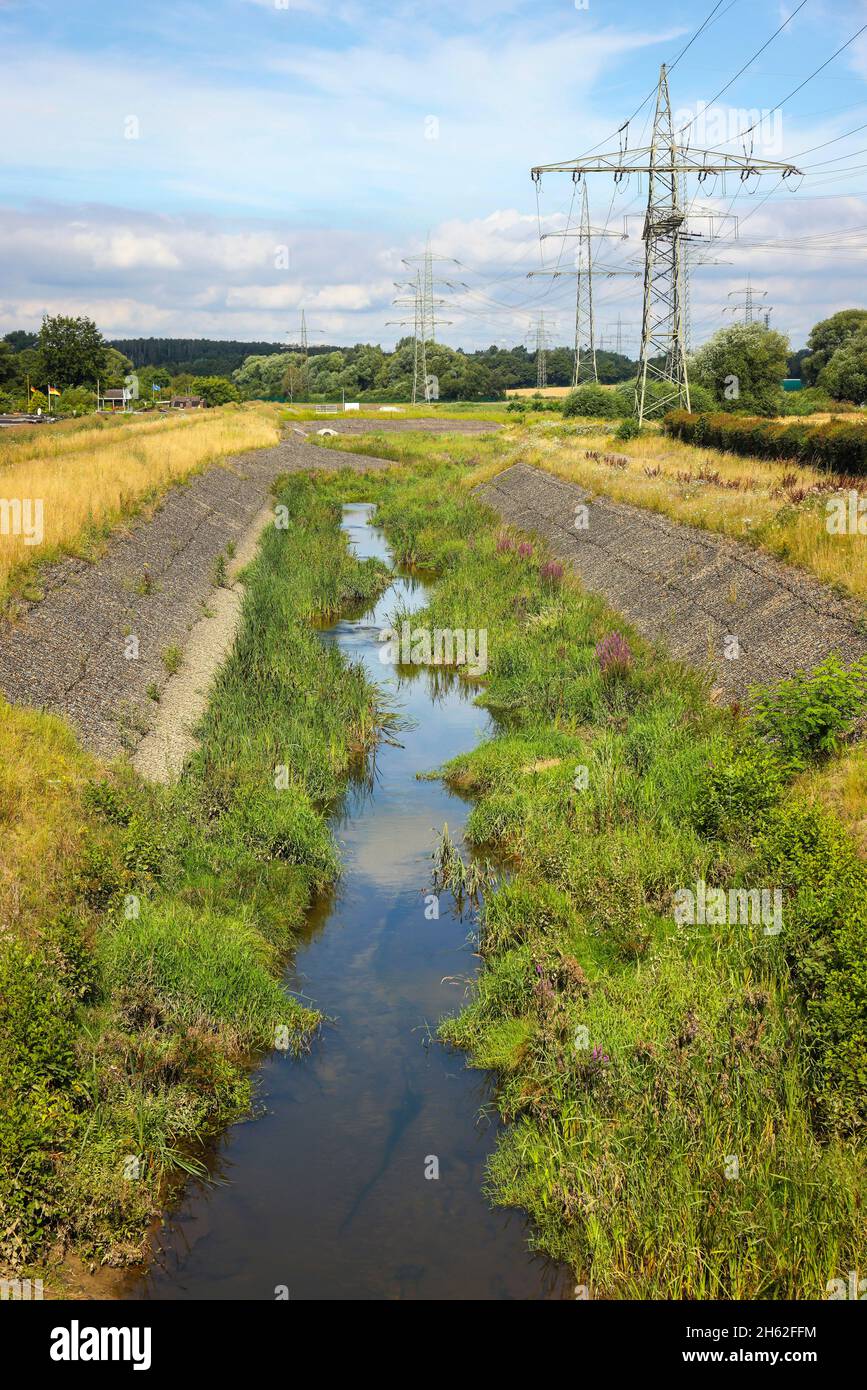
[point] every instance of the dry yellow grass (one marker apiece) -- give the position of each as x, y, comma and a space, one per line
842, 788
757, 506
42, 774
91, 475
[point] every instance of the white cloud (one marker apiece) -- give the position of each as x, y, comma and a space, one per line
137, 274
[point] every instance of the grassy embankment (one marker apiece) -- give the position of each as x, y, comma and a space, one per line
702, 1137
94, 473
142, 930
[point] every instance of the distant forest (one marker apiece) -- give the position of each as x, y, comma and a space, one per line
511, 367
199, 356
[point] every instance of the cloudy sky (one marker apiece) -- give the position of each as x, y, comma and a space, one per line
212, 168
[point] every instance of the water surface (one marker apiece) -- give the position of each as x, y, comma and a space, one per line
326, 1194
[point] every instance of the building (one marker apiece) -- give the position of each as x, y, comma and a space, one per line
187, 402
117, 398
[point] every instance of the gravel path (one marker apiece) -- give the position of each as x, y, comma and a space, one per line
71, 652
391, 425
693, 590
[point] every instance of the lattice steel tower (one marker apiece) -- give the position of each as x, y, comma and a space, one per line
665, 160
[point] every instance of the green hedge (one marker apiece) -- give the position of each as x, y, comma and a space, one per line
840, 446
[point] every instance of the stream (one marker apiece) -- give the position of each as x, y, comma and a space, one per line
324, 1196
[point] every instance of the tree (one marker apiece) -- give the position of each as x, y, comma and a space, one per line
742, 366
72, 351
28, 363
8, 369
215, 390
115, 368
261, 377
826, 337
77, 400
845, 377
148, 378
18, 339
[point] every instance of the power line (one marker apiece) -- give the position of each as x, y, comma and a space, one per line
747, 64
797, 89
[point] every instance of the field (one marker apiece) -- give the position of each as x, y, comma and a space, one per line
91, 474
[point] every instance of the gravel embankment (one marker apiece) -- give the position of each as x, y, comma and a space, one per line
688, 588
67, 653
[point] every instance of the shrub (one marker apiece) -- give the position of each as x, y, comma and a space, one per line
738, 790
809, 715
595, 401
825, 936
839, 446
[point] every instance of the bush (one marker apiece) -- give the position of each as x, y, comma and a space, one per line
838, 446
825, 935
739, 788
627, 429
595, 401
808, 716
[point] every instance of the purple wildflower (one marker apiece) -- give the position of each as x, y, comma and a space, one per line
613, 654
552, 572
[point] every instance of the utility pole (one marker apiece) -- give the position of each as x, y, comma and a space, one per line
693, 255
584, 272
615, 331
429, 303
419, 364
425, 304
422, 308
665, 161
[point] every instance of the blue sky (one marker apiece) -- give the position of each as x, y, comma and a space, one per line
158, 157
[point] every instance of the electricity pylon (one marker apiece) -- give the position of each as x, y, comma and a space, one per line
584, 272
748, 306
421, 306
665, 161
303, 374
615, 331
541, 354
429, 303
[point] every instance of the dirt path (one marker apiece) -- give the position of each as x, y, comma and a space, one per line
693, 590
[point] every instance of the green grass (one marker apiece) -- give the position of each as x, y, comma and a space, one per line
710, 1050
144, 977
